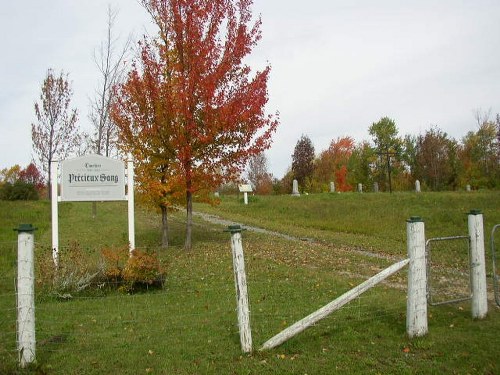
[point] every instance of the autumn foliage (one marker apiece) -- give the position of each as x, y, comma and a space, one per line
191, 111
21, 184
332, 163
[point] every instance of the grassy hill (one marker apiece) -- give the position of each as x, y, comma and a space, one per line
190, 326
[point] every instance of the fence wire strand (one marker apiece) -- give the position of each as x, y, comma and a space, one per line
105, 317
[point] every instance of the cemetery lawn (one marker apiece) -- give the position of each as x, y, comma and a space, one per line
368, 221
190, 326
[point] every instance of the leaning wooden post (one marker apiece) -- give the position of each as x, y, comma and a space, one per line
337, 303
477, 263
416, 309
240, 281
25, 295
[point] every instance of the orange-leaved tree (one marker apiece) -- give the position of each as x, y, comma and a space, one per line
332, 163
191, 111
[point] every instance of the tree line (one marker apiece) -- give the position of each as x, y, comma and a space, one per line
192, 113
391, 161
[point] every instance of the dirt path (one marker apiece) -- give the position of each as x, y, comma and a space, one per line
223, 222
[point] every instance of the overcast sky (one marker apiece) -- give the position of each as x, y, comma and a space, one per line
337, 66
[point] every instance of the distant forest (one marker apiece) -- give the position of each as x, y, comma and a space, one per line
392, 162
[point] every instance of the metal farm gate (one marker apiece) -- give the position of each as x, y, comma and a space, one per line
448, 270
494, 256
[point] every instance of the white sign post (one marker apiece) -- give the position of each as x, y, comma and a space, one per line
92, 178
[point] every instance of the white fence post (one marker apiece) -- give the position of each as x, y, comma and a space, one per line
240, 281
130, 198
25, 295
416, 309
477, 264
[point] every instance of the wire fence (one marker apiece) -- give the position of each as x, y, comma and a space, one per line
448, 269
494, 246
195, 307
191, 313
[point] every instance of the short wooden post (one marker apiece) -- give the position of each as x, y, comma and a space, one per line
477, 264
416, 309
240, 281
25, 295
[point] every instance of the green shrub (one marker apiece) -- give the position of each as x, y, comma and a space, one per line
18, 190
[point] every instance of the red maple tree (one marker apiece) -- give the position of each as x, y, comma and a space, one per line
191, 111
31, 175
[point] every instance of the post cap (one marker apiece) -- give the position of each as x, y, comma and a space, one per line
414, 219
25, 228
234, 229
475, 212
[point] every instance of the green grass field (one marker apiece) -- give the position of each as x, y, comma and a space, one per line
190, 326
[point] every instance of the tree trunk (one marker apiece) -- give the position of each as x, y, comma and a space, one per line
189, 221
164, 227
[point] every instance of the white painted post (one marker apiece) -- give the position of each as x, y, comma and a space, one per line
326, 310
130, 198
245, 197
477, 264
26, 343
416, 309
55, 215
240, 281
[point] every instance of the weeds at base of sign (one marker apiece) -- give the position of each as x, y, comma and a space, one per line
139, 271
84, 272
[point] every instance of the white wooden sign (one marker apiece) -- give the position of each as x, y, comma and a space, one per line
92, 178
245, 188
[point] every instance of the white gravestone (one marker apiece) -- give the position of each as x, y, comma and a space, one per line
295, 188
332, 187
